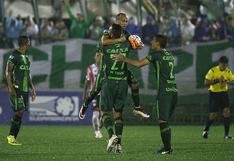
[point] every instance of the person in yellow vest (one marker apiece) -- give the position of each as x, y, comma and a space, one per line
218, 78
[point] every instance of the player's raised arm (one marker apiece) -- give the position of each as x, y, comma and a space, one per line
105, 40
136, 63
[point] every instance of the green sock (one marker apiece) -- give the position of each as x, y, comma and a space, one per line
15, 126
108, 123
119, 128
135, 97
165, 135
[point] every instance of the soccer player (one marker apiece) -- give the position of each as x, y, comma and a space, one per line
166, 99
114, 89
218, 78
19, 81
122, 20
91, 74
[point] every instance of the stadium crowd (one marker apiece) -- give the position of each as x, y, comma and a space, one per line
180, 30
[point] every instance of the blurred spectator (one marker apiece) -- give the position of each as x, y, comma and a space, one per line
230, 29
31, 30
78, 24
60, 31
174, 34
188, 30
111, 20
132, 28
163, 26
45, 31
149, 30
218, 31
95, 31
13, 28
57, 8
203, 30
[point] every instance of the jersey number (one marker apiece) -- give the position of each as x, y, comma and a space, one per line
171, 65
114, 67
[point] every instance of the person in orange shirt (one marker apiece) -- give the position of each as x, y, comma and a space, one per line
218, 78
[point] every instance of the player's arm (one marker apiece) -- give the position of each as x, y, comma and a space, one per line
211, 82
136, 63
33, 91
9, 73
209, 78
68, 8
230, 80
86, 84
105, 40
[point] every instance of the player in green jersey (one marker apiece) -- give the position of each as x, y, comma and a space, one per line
122, 20
19, 81
166, 99
114, 88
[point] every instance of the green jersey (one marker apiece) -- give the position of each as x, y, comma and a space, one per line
163, 63
115, 70
21, 70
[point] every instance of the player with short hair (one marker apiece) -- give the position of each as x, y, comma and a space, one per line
19, 81
91, 75
114, 88
122, 20
218, 78
166, 99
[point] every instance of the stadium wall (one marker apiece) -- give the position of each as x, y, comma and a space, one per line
61, 67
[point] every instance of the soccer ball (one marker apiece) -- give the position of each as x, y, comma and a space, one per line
135, 41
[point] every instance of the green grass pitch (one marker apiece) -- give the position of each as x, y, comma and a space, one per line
77, 143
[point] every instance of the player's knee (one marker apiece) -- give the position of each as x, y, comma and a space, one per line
213, 116
117, 115
19, 114
226, 112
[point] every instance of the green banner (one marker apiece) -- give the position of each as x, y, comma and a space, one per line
63, 65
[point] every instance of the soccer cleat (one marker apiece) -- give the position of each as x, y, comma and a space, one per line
118, 149
228, 137
205, 134
82, 112
98, 135
139, 112
165, 151
12, 141
111, 143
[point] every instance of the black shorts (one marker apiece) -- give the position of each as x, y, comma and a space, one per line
218, 101
166, 104
131, 79
20, 102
